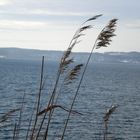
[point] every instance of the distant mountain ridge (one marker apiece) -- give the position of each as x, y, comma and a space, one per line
32, 54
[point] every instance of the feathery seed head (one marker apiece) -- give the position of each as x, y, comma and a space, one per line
106, 34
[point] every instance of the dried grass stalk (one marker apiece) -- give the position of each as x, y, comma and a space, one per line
38, 97
6, 115
57, 106
106, 118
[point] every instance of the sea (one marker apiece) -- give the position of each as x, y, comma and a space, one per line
104, 85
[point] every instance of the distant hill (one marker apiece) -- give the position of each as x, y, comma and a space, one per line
31, 54
28, 54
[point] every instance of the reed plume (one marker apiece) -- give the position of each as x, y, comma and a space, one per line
105, 37
92, 18
66, 59
73, 74
106, 118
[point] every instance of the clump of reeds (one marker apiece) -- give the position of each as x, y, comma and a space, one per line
103, 40
69, 75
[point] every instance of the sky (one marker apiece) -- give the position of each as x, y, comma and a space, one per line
50, 24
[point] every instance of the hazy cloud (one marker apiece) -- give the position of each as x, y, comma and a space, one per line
61, 18
34, 25
59, 13
4, 2
135, 25
13, 24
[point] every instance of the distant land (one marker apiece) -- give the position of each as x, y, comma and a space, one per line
31, 54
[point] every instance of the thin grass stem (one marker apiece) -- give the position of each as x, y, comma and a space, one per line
39, 96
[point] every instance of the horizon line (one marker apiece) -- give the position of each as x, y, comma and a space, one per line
65, 50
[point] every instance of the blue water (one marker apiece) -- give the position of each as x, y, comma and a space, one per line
103, 86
